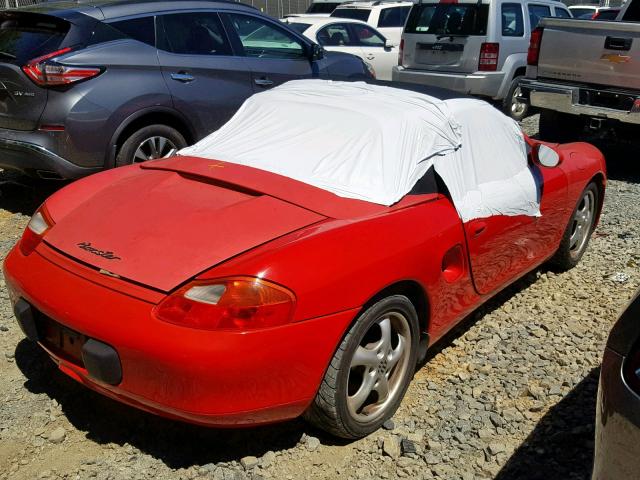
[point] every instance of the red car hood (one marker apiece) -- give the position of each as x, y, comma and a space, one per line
165, 223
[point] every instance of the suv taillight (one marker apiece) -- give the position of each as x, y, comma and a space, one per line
489, 57
534, 46
400, 51
44, 71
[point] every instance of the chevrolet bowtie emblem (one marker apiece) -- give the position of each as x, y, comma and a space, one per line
615, 58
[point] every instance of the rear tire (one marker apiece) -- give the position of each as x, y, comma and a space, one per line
577, 234
149, 143
369, 372
559, 127
511, 106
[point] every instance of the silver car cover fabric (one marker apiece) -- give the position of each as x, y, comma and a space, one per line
374, 143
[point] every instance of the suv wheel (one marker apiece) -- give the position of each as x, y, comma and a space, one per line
513, 107
149, 143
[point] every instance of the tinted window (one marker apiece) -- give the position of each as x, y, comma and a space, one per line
142, 29
263, 39
448, 19
580, 12
193, 34
512, 20
632, 13
361, 14
24, 37
299, 27
562, 13
536, 12
393, 17
336, 34
608, 15
322, 7
367, 36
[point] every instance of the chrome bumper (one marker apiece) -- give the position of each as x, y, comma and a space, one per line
565, 98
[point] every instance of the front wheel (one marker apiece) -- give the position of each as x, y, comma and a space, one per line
370, 371
576, 236
150, 143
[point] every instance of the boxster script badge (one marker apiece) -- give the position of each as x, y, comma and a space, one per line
101, 253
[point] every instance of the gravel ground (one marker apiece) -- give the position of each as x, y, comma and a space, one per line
509, 394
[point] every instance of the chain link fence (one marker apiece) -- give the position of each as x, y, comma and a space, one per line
18, 3
279, 8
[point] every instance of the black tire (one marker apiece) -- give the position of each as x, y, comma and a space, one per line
127, 152
559, 127
569, 254
508, 104
330, 409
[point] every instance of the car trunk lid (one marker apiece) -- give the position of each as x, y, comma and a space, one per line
25, 36
162, 227
445, 37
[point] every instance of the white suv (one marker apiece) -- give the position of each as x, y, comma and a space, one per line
387, 16
478, 47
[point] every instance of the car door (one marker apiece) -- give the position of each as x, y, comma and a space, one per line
274, 54
502, 248
513, 31
208, 82
375, 50
338, 37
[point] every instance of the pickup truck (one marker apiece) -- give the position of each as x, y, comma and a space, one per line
585, 75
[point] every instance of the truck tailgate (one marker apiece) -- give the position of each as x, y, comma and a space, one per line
591, 52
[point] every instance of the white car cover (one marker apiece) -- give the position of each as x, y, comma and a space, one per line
374, 143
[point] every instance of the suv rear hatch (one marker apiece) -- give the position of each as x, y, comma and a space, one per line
25, 36
445, 37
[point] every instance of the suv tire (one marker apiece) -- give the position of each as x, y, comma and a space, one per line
510, 106
149, 143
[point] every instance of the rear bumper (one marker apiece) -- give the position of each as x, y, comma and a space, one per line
565, 98
485, 84
204, 377
36, 160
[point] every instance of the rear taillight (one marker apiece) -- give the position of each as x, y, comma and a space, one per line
39, 224
400, 52
488, 61
243, 303
534, 46
45, 71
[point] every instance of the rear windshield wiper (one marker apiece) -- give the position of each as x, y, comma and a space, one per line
7, 55
450, 36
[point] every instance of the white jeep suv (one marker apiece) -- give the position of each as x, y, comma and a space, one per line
477, 47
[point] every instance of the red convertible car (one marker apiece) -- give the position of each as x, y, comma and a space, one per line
239, 283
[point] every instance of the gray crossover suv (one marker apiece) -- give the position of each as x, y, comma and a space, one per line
92, 85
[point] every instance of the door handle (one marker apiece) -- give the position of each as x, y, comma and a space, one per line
183, 77
263, 82
618, 43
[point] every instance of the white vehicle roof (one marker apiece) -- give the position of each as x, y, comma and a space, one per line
320, 21
373, 143
377, 3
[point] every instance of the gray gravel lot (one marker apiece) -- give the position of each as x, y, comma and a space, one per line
509, 394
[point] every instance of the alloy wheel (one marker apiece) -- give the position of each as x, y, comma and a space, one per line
154, 147
378, 367
582, 223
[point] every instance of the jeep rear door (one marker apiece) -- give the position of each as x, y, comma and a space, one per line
207, 80
445, 37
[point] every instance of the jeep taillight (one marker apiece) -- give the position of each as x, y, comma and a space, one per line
534, 46
39, 224
45, 71
240, 303
400, 52
488, 61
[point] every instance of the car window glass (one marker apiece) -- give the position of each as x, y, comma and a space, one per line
608, 14
537, 12
393, 17
336, 34
562, 13
141, 29
367, 36
448, 19
580, 12
299, 27
193, 34
512, 20
263, 39
361, 14
632, 14
325, 7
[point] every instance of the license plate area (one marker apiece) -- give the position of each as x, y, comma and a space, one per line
60, 340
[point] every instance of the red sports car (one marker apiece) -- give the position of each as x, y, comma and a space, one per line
301, 259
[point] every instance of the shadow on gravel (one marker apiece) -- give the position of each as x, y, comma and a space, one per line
177, 444
22, 194
622, 163
561, 445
